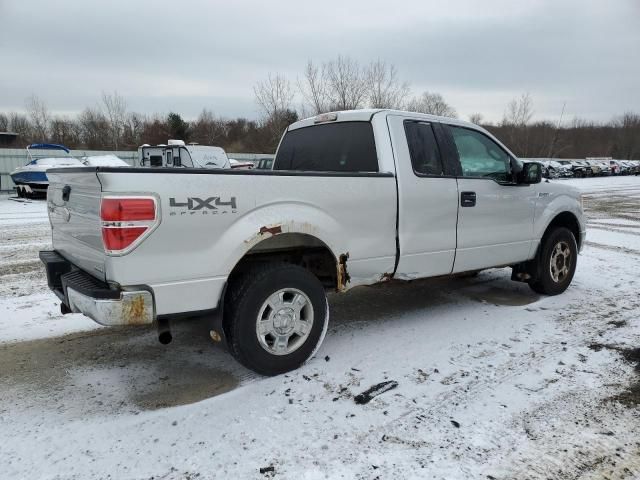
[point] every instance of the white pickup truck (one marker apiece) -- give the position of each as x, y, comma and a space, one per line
354, 198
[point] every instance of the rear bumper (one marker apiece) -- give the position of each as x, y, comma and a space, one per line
82, 293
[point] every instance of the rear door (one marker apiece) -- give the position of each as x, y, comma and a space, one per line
427, 197
495, 220
73, 202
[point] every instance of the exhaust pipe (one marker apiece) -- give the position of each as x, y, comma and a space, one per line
164, 332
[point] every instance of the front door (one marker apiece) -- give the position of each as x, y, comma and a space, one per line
427, 199
495, 219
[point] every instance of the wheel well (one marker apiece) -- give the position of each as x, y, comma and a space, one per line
296, 248
567, 220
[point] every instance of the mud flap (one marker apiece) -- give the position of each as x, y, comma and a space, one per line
526, 271
217, 332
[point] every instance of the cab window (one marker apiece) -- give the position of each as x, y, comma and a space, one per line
423, 148
334, 147
479, 155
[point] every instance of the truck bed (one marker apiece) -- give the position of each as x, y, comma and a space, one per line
209, 219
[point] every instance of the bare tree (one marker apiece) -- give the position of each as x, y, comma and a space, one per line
19, 123
432, 103
628, 137
209, 130
132, 133
4, 122
115, 109
516, 118
65, 131
274, 95
346, 84
384, 89
95, 128
519, 111
476, 118
314, 88
39, 115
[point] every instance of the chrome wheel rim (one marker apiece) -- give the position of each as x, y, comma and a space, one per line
560, 262
284, 321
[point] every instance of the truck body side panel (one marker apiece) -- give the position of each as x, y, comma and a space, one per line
210, 221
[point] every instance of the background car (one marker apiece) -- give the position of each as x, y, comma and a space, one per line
596, 167
554, 169
577, 169
588, 171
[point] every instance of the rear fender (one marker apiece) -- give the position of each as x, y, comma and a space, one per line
272, 220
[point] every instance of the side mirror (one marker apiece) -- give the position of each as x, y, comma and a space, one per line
531, 173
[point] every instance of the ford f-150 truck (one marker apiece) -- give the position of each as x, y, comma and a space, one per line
353, 198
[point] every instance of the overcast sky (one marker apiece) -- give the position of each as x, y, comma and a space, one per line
185, 55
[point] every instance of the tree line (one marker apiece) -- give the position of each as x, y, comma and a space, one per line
110, 126
338, 84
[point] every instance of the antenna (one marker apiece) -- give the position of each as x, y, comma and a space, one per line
555, 135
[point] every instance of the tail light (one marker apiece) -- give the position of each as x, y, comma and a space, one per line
126, 221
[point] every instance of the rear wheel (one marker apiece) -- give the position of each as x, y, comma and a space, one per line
557, 261
278, 317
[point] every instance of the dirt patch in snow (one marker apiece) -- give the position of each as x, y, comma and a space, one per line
115, 369
630, 397
500, 296
21, 268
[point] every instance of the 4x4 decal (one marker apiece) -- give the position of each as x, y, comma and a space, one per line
209, 205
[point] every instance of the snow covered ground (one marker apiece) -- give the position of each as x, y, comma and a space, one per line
493, 381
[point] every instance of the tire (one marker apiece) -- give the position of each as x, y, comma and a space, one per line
256, 329
555, 279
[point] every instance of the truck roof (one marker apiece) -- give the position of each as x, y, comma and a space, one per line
366, 114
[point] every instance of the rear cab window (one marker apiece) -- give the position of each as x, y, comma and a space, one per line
330, 147
423, 148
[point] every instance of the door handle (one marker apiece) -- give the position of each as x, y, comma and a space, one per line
467, 199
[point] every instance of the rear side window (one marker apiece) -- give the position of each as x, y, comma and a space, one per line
333, 147
423, 148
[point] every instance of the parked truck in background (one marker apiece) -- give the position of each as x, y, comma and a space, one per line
353, 198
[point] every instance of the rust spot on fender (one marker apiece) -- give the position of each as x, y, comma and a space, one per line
342, 273
275, 230
134, 311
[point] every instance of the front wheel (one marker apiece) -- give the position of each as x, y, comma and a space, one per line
557, 261
278, 317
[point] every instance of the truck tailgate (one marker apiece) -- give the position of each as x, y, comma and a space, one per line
73, 202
